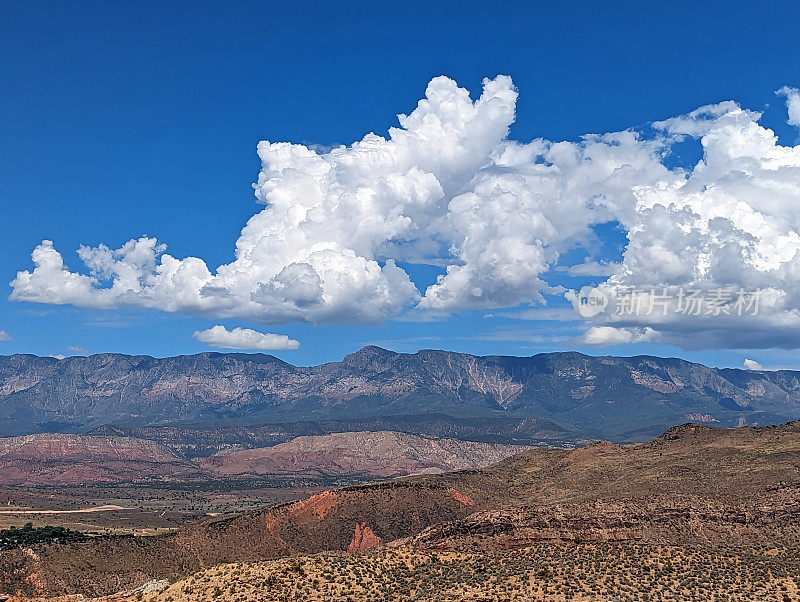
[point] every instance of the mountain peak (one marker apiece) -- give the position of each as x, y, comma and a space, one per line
367, 356
373, 350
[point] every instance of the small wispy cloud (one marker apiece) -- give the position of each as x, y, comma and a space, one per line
404, 343
4, 336
517, 335
555, 314
590, 268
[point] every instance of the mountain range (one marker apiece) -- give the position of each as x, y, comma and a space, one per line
553, 397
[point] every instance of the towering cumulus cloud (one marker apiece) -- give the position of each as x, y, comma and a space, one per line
448, 187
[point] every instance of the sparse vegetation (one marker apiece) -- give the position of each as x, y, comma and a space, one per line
699, 513
564, 571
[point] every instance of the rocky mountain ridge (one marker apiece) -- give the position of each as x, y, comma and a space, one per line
622, 399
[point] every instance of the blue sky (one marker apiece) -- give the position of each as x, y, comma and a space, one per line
126, 119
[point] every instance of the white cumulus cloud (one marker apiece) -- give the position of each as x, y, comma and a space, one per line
732, 221
4, 336
244, 338
448, 187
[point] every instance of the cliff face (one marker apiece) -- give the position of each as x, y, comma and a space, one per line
606, 397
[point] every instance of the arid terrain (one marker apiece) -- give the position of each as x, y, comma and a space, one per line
103, 484
545, 571
696, 497
138, 509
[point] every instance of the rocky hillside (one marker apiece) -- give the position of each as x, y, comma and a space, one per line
75, 460
622, 399
695, 485
373, 454
543, 572
55, 459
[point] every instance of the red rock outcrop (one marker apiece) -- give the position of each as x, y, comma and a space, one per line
364, 538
